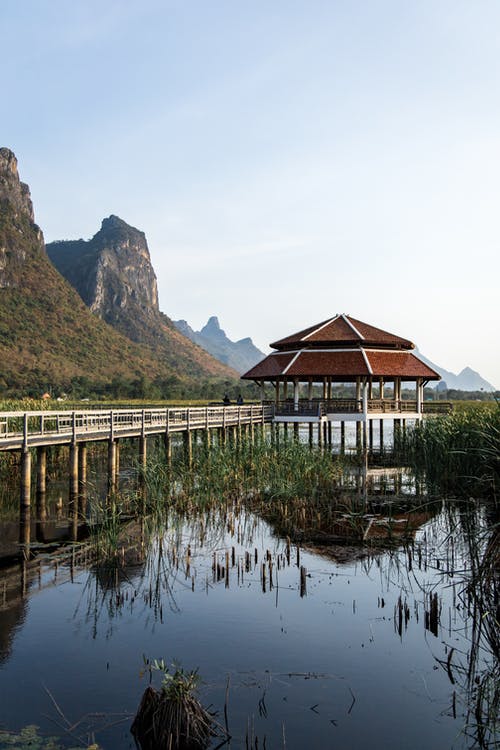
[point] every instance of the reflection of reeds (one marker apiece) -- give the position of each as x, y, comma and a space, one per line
482, 596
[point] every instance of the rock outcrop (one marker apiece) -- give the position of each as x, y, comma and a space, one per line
112, 272
21, 238
50, 340
241, 355
113, 275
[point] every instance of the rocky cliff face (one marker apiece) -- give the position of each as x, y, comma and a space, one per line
21, 238
49, 339
113, 275
240, 355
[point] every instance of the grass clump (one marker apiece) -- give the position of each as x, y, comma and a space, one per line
173, 717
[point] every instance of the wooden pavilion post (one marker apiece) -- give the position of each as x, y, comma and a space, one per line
295, 394
418, 395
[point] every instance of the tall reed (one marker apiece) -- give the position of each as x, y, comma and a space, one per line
459, 453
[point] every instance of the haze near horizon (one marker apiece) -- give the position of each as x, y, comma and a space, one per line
286, 161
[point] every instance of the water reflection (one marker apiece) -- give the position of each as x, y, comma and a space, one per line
341, 624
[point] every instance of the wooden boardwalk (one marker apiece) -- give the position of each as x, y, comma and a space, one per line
33, 429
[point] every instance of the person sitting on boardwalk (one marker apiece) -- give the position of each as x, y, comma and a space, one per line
239, 400
226, 400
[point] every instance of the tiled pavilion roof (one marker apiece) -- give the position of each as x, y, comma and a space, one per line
342, 349
342, 330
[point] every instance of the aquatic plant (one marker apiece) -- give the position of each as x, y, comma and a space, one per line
263, 468
458, 453
30, 739
173, 717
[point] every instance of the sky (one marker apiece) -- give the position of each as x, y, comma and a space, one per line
287, 159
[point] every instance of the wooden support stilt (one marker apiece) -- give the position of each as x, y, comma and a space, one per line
25, 530
143, 451
188, 447
112, 466
342, 437
311, 434
82, 479
168, 448
73, 473
41, 470
25, 479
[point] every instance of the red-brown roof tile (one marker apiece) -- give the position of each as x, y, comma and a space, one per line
399, 364
341, 365
341, 330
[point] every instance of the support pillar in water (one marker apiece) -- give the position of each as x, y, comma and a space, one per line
25, 479
73, 473
168, 448
358, 436
82, 478
41, 470
112, 466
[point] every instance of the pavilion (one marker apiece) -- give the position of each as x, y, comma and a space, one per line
348, 351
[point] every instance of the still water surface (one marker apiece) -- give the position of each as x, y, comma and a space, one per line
358, 659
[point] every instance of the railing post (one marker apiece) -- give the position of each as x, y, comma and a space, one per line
25, 432
111, 426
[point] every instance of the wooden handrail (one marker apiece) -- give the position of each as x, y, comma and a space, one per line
32, 428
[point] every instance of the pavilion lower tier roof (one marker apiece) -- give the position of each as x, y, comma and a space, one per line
341, 365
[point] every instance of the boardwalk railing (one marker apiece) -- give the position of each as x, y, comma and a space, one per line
321, 407
37, 428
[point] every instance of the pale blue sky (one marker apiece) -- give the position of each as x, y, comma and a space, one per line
286, 159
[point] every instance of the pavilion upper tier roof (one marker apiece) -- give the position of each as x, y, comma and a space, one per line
341, 349
340, 331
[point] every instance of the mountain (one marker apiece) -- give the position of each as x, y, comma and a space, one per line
240, 355
113, 275
48, 336
466, 380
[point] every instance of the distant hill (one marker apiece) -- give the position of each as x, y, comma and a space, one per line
50, 340
240, 355
466, 380
113, 275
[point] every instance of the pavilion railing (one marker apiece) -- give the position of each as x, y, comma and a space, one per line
322, 407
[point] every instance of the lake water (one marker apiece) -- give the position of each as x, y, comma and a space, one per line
302, 644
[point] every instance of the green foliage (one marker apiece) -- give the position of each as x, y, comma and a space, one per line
50, 341
459, 453
176, 683
29, 737
267, 469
